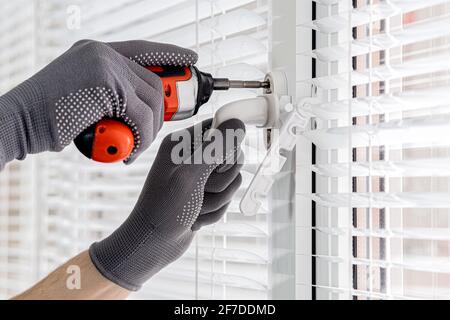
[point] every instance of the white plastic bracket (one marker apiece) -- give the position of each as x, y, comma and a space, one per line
275, 112
283, 140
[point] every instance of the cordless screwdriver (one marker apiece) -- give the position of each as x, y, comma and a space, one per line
185, 90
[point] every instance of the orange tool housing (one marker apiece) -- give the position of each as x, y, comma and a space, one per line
169, 77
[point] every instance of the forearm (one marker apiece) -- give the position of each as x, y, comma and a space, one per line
62, 283
23, 125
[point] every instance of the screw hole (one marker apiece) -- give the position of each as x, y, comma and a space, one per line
295, 130
112, 150
167, 90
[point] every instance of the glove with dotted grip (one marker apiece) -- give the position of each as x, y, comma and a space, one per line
90, 81
175, 202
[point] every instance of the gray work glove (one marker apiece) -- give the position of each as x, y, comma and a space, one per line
90, 81
176, 201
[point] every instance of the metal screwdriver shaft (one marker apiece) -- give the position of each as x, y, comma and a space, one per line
226, 84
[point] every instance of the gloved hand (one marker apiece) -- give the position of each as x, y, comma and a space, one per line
90, 81
176, 201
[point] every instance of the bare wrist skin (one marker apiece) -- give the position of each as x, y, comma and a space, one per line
77, 279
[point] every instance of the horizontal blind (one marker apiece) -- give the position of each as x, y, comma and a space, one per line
381, 119
87, 201
18, 228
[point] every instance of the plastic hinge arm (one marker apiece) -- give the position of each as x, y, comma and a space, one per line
296, 122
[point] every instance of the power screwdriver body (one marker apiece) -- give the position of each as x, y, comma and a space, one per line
185, 90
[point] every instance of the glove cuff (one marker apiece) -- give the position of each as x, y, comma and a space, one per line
105, 273
25, 127
134, 253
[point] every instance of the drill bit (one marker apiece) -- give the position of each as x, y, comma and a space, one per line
226, 84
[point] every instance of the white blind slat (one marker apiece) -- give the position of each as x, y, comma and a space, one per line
366, 14
385, 200
436, 167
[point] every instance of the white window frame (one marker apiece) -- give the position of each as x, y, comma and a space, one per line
309, 272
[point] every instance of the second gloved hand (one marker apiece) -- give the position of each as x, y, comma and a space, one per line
176, 201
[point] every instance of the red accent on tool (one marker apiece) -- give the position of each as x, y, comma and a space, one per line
113, 141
